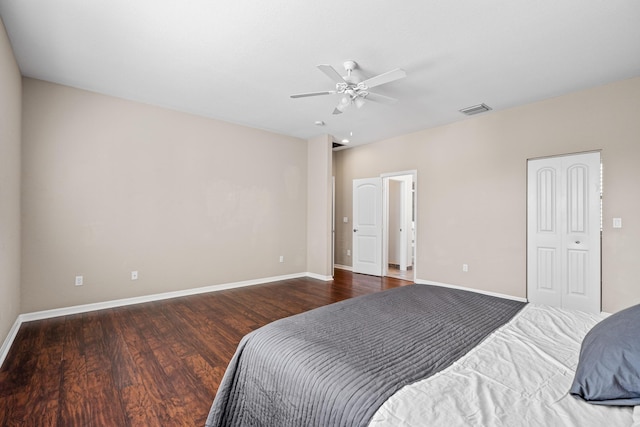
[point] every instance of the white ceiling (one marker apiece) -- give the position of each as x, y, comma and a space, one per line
240, 60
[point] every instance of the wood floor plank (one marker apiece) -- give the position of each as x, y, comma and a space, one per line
101, 360
14, 410
178, 390
152, 364
20, 363
43, 395
150, 383
74, 406
140, 409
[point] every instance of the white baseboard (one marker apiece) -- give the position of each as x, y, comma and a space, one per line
84, 308
343, 267
493, 294
320, 277
47, 314
6, 345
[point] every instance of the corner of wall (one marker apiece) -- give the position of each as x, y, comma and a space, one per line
10, 176
319, 202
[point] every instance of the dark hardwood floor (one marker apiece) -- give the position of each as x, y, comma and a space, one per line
152, 364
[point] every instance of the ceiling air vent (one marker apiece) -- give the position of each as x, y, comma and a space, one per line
337, 145
476, 109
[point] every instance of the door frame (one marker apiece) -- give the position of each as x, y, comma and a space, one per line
385, 218
333, 224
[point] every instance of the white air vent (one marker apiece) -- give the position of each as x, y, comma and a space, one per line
476, 109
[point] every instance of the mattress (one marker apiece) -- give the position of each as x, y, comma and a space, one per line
518, 376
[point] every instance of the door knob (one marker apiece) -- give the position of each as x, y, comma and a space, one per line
355, 230
577, 242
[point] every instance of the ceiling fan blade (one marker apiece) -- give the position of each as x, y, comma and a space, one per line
331, 73
376, 97
383, 78
303, 95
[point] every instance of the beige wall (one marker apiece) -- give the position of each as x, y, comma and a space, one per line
10, 111
111, 186
319, 204
472, 188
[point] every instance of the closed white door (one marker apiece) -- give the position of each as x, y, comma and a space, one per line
367, 226
563, 232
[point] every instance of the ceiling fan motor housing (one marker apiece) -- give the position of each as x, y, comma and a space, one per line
350, 66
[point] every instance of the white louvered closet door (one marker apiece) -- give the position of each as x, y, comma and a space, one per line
563, 231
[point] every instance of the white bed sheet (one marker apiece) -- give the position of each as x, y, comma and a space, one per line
519, 376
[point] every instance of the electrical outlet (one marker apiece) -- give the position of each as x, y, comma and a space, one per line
79, 281
134, 275
465, 267
281, 258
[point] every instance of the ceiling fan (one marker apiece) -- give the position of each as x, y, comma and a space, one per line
353, 90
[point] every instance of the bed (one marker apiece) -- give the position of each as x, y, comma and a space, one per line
418, 355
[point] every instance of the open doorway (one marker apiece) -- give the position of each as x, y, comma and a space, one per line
379, 243
399, 225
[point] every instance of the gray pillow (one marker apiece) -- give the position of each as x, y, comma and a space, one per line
608, 370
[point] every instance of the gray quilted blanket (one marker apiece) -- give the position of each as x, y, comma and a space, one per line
335, 365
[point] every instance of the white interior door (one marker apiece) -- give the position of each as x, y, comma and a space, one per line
367, 226
563, 231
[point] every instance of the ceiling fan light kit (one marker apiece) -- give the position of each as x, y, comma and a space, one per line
354, 91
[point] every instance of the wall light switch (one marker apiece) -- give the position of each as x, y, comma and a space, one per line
345, 219
348, 252
617, 222
79, 281
465, 267
134, 275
